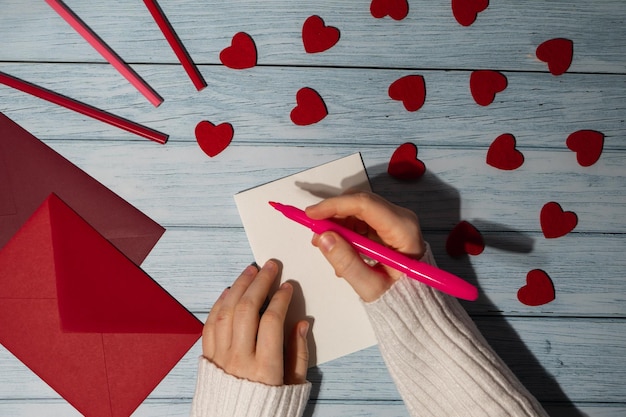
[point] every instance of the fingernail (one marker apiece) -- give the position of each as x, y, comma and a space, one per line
327, 242
270, 265
304, 330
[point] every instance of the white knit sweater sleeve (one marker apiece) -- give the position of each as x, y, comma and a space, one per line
439, 360
219, 394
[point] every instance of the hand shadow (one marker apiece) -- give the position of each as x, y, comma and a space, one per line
438, 206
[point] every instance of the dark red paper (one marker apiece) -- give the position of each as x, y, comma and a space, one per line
555, 222
410, 90
464, 239
466, 11
310, 107
587, 144
316, 36
503, 154
557, 53
83, 317
539, 289
396, 9
485, 84
30, 171
241, 53
213, 139
404, 164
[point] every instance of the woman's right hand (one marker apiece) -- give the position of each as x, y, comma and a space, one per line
375, 217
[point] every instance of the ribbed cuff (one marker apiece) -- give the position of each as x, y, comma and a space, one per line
439, 360
219, 394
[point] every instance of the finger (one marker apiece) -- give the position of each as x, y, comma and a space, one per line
246, 319
270, 341
297, 361
224, 314
208, 332
369, 283
396, 226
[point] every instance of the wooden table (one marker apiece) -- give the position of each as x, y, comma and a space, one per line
570, 353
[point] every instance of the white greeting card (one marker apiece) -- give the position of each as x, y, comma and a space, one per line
339, 323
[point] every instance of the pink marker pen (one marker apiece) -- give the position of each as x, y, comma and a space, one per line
420, 271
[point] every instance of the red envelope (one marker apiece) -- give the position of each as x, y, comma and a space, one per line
84, 317
30, 171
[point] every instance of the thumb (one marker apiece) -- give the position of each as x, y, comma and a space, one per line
369, 283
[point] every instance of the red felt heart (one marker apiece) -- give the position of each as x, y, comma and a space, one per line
404, 164
396, 9
485, 84
410, 90
555, 222
466, 11
213, 139
587, 144
538, 290
464, 239
310, 107
557, 53
241, 53
502, 153
316, 36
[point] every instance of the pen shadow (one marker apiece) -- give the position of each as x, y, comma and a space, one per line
438, 205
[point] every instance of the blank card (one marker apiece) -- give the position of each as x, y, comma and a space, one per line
339, 323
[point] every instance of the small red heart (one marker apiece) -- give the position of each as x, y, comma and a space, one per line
485, 84
241, 53
466, 11
404, 164
410, 90
555, 222
316, 36
587, 144
502, 153
213, 139
557, 53
396, 9
538, 290
464, 239
310, 107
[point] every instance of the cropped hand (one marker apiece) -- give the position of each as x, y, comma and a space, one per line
248, 345
375, 217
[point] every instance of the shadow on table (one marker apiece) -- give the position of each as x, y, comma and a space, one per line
438, 207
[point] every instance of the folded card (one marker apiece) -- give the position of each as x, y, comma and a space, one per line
340, 325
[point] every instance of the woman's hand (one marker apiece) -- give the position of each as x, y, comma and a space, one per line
375, 217
248, 345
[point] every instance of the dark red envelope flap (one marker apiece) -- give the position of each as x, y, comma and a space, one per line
33, 170
100, 290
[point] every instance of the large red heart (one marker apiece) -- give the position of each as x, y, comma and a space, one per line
538, 290
410, 90
404, 164
241, 53
555, 222
310, 107
464, 239
213, 139
587, 144
316, 36
396, 9
466, 11
557, 53
502, 153
485, 84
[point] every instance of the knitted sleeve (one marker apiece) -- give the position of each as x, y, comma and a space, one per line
439, 360
219, 394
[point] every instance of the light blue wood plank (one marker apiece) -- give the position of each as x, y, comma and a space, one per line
178, 185
503, 37
584, 355
540, 110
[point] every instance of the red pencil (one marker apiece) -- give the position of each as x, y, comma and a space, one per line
176, 44
114, 59
82, 108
